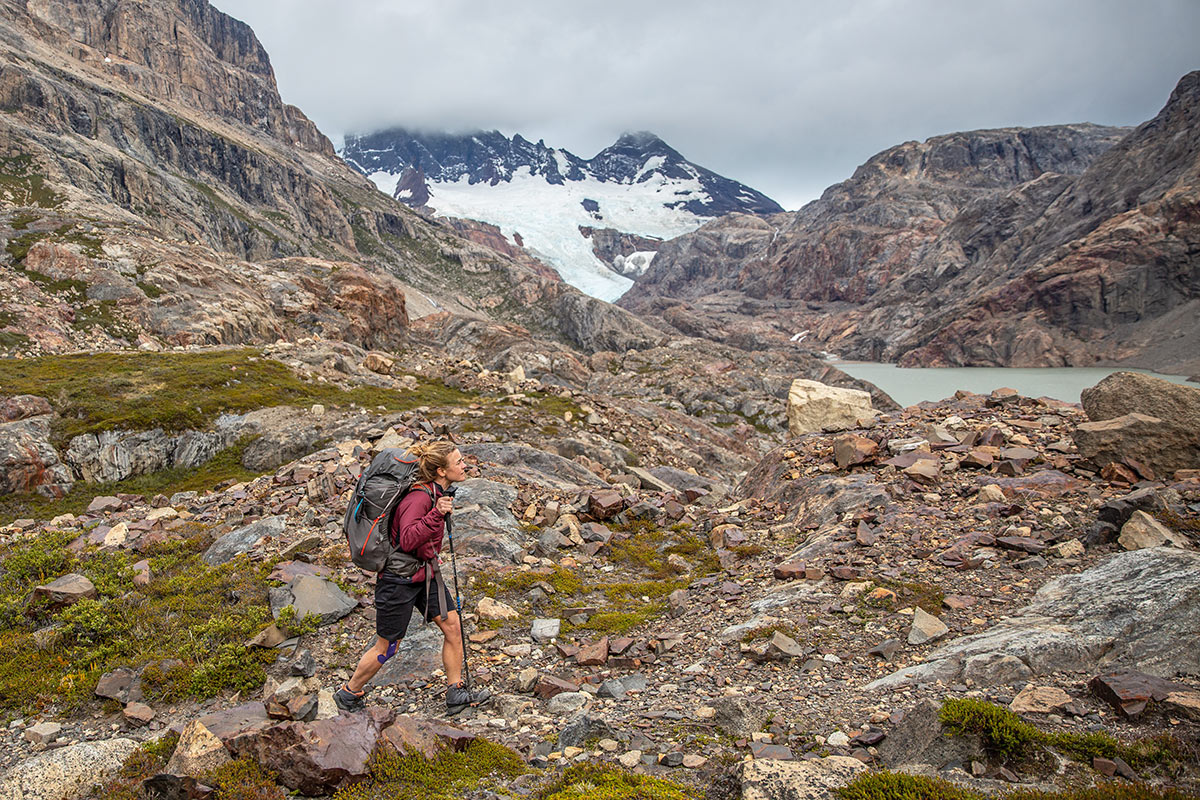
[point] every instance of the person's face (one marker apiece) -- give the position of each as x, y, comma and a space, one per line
455, 469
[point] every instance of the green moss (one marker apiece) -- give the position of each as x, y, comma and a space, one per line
1008, 736
190, 612
150, 290
243, 779
556, 405
13, 341
181, 391
411, 776
21, 185
608, 782
291, 626
898, 786
622, 622
20, 222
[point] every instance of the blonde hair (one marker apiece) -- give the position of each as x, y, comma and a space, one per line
432, 455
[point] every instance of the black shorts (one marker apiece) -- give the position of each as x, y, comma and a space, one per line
395, 598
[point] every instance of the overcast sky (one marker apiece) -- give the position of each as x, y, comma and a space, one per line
783, 95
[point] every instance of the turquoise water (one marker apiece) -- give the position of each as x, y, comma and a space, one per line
909, 386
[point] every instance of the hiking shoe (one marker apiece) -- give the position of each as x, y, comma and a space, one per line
348, 701
459, 697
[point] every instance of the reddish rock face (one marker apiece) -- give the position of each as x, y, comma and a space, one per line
316, 758
425, 736
23, 406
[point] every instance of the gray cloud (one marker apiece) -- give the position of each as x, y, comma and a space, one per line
788, 97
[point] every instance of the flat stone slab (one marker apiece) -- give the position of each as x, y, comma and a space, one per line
1132, 611
243, 539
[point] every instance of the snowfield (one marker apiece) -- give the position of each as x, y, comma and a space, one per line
548, 216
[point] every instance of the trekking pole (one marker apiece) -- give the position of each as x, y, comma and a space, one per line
462, 628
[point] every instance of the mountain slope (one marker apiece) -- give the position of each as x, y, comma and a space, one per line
157, 191
542, 196
1065, 245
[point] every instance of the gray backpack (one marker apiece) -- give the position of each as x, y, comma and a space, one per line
369, 514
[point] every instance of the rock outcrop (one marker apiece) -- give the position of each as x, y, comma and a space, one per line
1137, 610
1058, 246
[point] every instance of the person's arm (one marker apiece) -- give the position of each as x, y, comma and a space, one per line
419, 526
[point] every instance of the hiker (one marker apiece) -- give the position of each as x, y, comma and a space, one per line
412, 578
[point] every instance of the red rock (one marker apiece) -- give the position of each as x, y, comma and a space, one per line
844, 573
978, 459
315, 758
1104, 766
789, 570
425, 736
23, 406
865, 535
548, 686
1116, 472
850, 450
1130, 692
958, 602
925, 471
593, 655
605, 503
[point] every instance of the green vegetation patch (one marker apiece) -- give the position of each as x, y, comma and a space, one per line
608, 782
226, 465
897, 786
187, 627
1007, 735
149, 759
182, 391
22, 185
411, 776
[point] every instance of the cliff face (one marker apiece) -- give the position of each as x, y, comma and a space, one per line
147, 141
1067, 245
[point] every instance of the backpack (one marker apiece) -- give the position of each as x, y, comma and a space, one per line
390, 476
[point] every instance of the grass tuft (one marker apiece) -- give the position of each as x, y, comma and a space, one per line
411, 776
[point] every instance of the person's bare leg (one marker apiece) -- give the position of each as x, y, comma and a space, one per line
368, 665
452, 652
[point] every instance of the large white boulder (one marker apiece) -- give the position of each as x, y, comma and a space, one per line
814, 407
64, 773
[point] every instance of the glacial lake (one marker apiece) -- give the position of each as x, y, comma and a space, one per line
912, 385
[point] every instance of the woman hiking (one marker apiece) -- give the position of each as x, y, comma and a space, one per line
412, 578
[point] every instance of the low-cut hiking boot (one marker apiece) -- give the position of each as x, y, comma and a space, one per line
348, 701
459, 697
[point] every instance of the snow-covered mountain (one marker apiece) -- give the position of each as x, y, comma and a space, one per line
589, 219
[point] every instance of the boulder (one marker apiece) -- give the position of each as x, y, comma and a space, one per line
65, 773
417, 656
111, 456
1143, 530
28, 460
605, 503
199, 750
425, 736
737, 716
1131, 692
815, 779
63, 592
543, 630
23, 406
1136, 610
489, 608
482, 522
1126, 392
1039, 700
565, 703
583, 728
309, 594
1151, 441
315, 758
926, 628
243, 539
813, 407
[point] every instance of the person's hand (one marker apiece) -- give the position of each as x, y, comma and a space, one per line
445, 504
